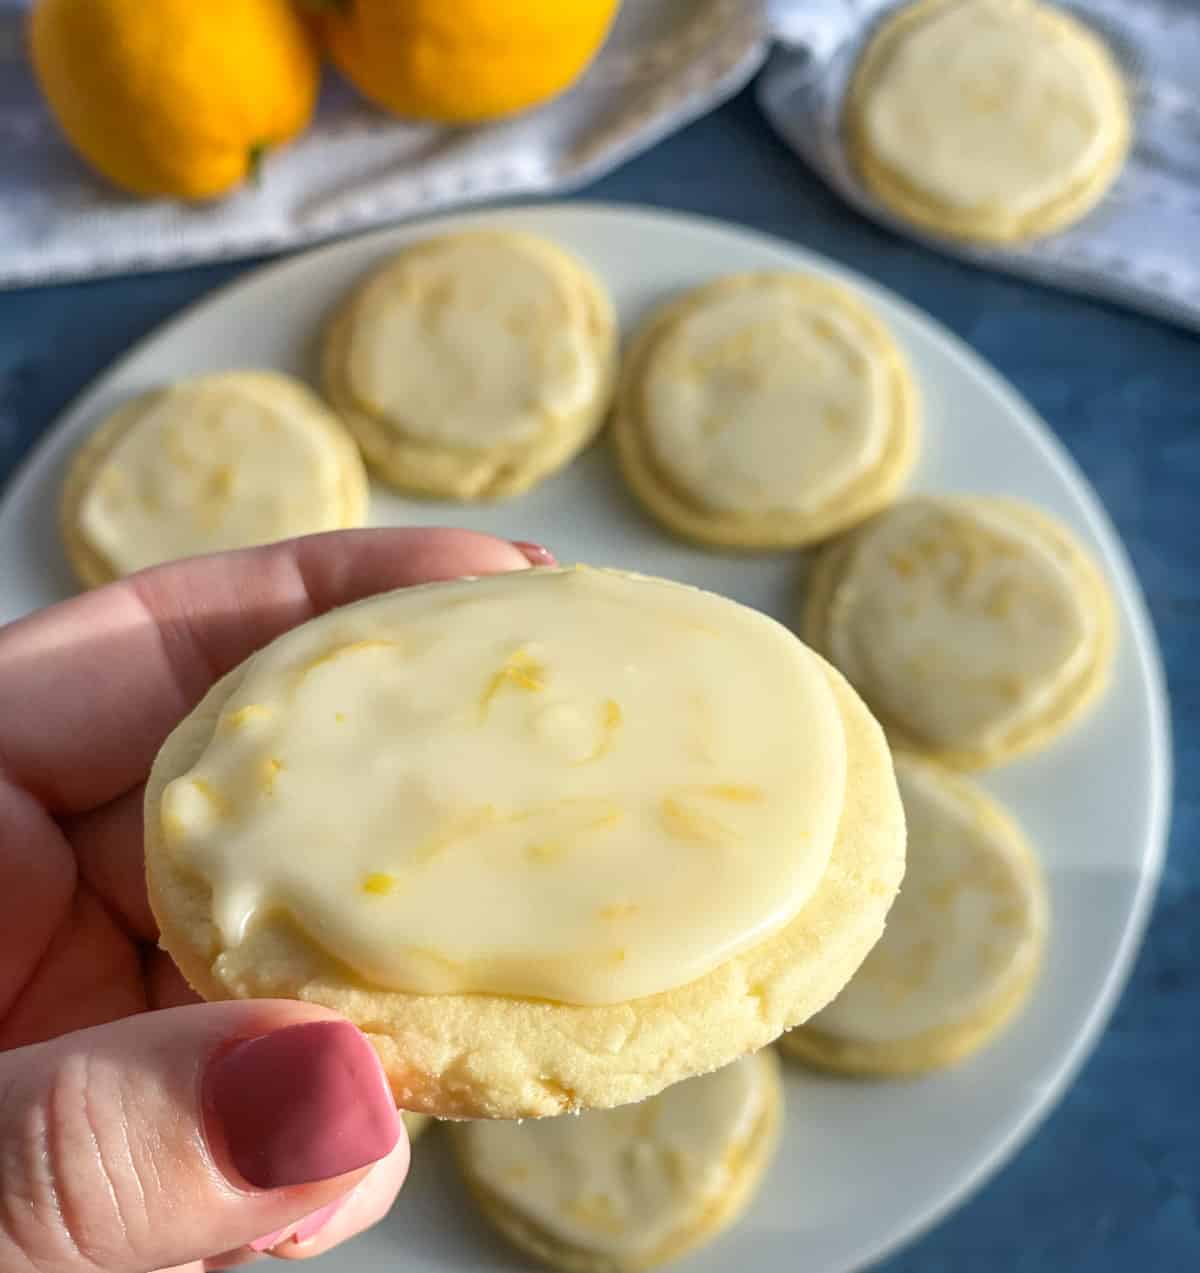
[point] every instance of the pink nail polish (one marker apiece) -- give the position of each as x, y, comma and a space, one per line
271, 1240
310, 1226
535, 554
304, 1230
301, 1104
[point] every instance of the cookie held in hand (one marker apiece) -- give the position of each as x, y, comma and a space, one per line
555, 840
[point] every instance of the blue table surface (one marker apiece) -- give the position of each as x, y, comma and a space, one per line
1111, 1183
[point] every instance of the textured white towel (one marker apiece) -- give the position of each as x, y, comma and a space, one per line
665, 63
1140, 247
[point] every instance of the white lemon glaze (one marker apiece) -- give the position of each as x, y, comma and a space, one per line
576, 785
963, 623
474, 341
214, 463
766, 398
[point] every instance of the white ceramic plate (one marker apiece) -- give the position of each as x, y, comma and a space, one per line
862, 1166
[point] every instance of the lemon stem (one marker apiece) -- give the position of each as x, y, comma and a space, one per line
254, 167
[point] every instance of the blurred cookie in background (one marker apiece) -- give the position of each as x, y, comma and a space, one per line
613, 1191
765, 410
207, 464
473, 365
987, 120
975, 628
962, 946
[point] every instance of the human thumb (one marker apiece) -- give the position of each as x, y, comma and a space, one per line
180, 1135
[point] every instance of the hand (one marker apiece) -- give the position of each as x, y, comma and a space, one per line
140, 1129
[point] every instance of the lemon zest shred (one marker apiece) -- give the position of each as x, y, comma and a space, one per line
520, 670
378, 883
339, 651
217, 799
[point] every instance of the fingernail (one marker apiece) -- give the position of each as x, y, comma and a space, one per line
310, 1226
301, 1104
535, 554
271, 1240
306, 1229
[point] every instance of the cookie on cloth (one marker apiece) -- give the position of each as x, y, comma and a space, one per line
987, 120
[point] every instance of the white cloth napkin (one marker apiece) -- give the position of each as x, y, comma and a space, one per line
1140, 247
665, 63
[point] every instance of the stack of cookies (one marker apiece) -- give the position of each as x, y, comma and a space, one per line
978, 630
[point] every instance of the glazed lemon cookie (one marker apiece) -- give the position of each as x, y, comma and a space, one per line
977, 629
216, 462
962, 946
614, 1191
765, 411
554, 840
473, 365
993, 120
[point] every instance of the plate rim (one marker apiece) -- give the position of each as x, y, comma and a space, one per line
1103, 532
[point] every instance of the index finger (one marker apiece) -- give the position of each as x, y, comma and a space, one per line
90, 688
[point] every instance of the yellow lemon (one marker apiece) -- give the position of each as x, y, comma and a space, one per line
461, 61
175, 97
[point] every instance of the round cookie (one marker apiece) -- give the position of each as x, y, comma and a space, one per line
977, 629
473, 365
211, 463
962, 946
765, 411
987, 120
542, 788
615, 1191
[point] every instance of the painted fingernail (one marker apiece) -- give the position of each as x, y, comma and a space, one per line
535, 554
301, 1104
271, 1240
